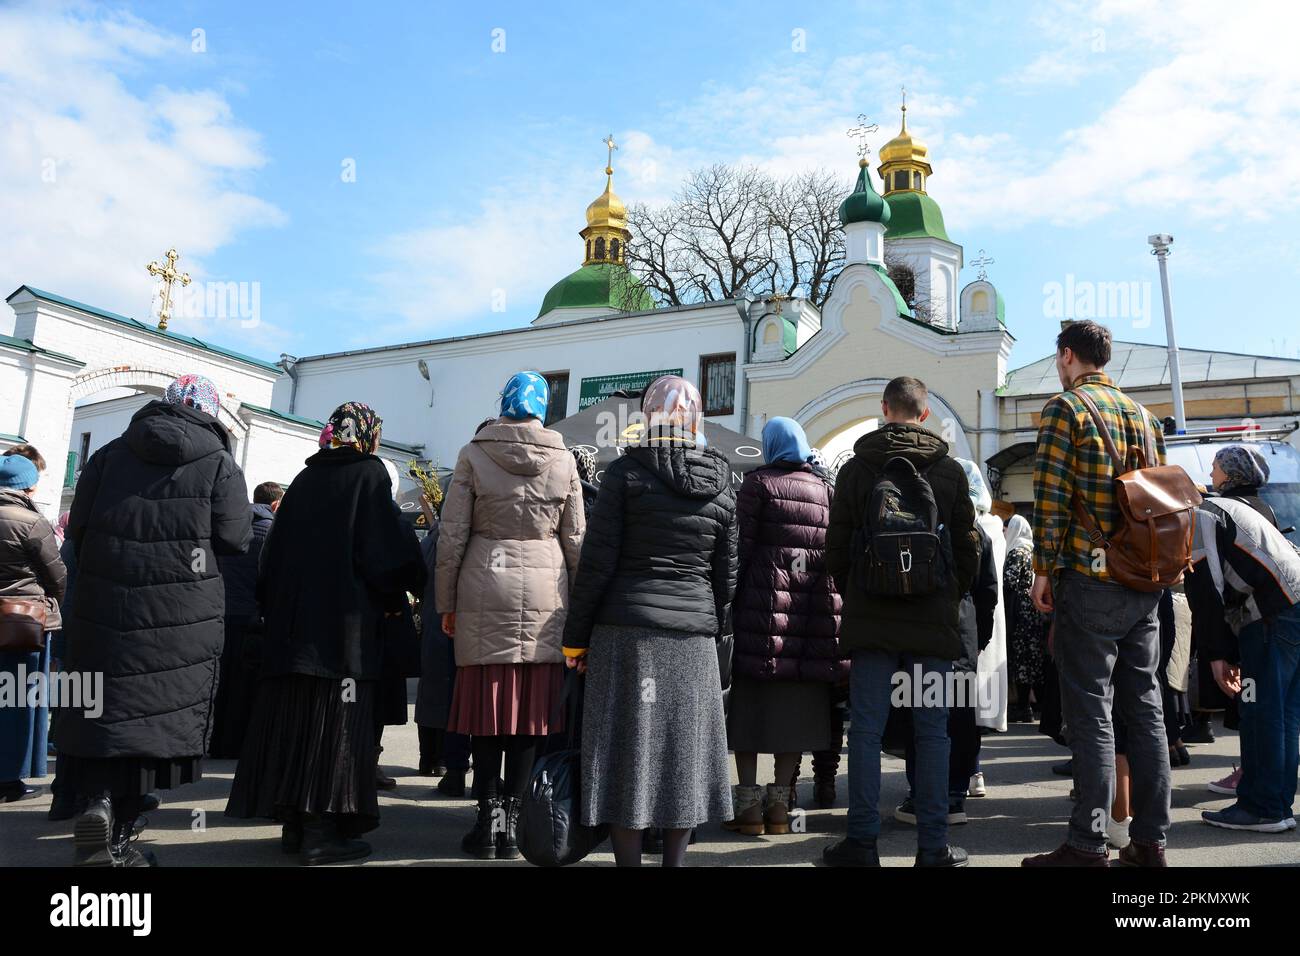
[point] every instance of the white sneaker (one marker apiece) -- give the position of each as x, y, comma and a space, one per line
1117, 831
977, 788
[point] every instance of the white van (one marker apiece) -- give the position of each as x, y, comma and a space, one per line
1196, 451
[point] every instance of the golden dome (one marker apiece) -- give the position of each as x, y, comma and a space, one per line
607, 209
904, 147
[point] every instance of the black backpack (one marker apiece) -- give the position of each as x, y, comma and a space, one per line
902, 550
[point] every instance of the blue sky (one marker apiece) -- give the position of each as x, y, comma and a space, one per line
1061, 135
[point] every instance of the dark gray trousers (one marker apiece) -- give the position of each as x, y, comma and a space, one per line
1107, 648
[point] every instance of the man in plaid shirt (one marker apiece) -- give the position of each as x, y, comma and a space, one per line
1107, 636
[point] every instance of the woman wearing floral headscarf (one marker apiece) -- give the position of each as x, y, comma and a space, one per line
152, 511
512, 526
337, 559
652, 597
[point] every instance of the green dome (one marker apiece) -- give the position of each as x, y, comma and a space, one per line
596, 286
864, 204
915, 215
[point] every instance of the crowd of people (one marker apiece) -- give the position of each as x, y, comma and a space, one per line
695, 624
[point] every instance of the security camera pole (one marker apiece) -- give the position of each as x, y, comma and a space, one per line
1160, 249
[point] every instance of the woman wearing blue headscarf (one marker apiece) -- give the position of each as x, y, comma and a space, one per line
508, 546
787, 656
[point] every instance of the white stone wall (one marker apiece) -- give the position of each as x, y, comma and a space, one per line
467, 374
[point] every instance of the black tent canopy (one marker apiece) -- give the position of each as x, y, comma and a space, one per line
609, 426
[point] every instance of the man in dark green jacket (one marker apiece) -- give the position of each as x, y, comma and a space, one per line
917, 635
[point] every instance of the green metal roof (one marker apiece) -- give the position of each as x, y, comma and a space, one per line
16, 439
598, 285
27, 346
901, 303
317, 423
914, 215
144, 327
864, 204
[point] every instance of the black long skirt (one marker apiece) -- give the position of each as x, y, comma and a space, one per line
310, 749
125, 777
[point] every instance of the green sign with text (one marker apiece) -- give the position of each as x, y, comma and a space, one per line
601, 387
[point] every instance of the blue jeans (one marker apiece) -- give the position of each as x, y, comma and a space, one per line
1270, 715
870, 689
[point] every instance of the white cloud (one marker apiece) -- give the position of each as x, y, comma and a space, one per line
98, 178
1210, 126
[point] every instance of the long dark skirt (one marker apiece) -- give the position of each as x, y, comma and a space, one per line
236, 691
310, 749
126, 777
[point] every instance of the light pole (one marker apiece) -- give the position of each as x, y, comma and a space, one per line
423, 366
1160, 244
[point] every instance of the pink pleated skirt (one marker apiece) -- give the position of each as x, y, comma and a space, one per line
507, 700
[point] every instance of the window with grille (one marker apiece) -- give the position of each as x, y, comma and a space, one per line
557, 405
718, 383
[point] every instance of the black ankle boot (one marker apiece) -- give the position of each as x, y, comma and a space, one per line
322, 843
508, 836
291, 837
92, 834
481, 842
124, 852
65, 805
453, 784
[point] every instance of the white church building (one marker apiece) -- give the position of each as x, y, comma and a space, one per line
72, 374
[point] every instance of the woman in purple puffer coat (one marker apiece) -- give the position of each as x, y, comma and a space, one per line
786, 617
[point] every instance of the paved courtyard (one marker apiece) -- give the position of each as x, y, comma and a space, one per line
1024, 812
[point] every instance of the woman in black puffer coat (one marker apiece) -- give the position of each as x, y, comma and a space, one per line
787, 657
152, 511
651, 598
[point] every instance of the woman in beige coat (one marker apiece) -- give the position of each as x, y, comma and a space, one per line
508, 548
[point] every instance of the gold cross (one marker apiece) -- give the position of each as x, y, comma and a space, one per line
609, 163
169, 275
860, 133
778, 298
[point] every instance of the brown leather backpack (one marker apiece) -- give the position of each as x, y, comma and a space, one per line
1151, 546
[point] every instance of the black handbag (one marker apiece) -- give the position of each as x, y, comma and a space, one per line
551, 831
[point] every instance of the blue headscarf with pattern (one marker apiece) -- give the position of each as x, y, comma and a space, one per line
525, 396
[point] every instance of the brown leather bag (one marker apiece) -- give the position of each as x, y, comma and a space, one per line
22, 625
1151, 546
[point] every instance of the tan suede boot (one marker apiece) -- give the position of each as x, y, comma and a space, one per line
776, 815
748, 804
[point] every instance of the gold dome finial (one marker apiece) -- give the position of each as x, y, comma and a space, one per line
606, 233
904, 160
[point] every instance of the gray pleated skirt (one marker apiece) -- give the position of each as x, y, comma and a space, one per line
654, 739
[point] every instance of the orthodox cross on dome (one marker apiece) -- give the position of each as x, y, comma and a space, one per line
778, 298
611, 146
169, 275
860, 133
983, 260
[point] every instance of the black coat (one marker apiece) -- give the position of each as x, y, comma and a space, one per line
924, 626
978, 608
338, 554
437, 653
152, 511
660, 548
240, 571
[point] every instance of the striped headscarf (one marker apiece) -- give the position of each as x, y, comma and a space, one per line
672, 402
194, 391
353, 425
525, 396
